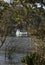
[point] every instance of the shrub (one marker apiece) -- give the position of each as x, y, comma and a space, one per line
33, 59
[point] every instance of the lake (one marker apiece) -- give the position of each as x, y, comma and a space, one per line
22, 47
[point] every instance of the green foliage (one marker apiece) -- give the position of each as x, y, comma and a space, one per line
33, 59
23, 60
33, 18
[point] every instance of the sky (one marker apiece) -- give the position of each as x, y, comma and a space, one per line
7, 1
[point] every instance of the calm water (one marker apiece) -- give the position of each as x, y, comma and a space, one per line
21, 45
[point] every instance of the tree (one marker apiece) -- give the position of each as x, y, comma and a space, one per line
3, 34
26, 13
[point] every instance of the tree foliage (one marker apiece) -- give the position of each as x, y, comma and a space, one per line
24, 12
33, 59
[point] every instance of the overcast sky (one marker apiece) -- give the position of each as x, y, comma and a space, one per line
7, 1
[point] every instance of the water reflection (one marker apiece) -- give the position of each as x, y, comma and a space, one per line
17, 47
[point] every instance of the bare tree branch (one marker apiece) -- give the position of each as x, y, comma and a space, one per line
3, 36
